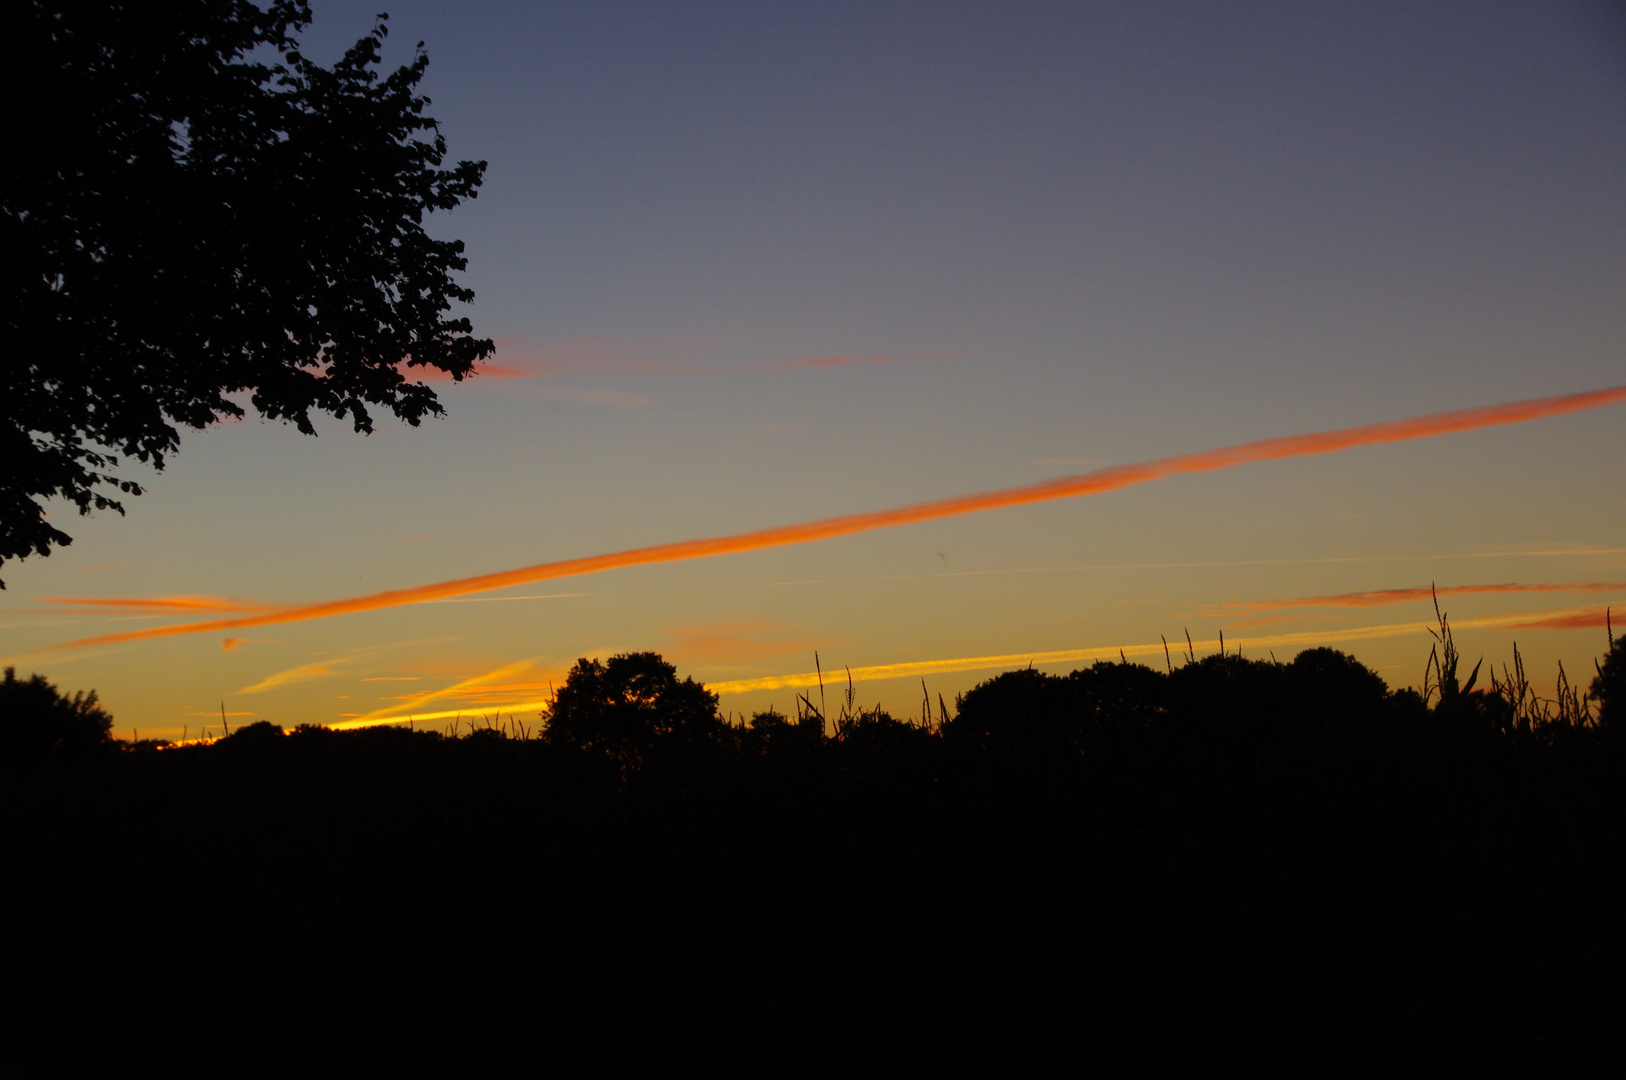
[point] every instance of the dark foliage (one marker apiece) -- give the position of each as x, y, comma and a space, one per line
183, 222
629, 708
36, 718
1237, 866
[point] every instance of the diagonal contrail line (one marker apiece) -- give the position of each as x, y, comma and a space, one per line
1067, 487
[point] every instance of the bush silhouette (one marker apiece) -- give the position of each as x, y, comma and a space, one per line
1013, 710
629, 707
772, 729
35, 718
1329, 684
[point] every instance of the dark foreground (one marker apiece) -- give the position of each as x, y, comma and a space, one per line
1235, 865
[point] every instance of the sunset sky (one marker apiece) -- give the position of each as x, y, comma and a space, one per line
759, 265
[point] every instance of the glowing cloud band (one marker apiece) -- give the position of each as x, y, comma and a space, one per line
1380, 597
1068, 487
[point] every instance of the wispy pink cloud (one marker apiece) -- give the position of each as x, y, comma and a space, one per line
480, 371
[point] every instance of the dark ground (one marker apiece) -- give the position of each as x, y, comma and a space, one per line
1236, 865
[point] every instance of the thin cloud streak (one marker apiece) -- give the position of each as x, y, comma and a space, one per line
302, 673
155, 605
1095, 483
1595, 619
1381, 597
1312, 561
660, 355
526, 708
479, 371
476, 686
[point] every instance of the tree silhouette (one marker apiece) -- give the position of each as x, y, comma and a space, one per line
182, 223
36, 717
629, 707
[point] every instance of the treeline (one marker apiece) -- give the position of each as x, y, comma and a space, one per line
1230, 862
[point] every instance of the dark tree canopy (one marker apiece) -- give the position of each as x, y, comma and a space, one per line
36, 717
191, 209
629, 706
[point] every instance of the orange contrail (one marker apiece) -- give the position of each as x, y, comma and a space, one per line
1067, 487
1380, 597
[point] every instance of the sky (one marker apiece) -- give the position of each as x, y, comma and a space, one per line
754, 265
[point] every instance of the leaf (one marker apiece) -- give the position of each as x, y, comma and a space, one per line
1473, 677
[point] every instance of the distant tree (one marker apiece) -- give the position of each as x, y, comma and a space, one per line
258, 734
182, 222
628, 707
1332, 685
35, 717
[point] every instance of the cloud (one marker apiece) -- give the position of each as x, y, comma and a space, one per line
1595, 619
661, 354
1068, 487
1381, 597
507, 599
503, 689
478, 372
156, 605
322, 669
1546, 553
583, 355
302, 673
230, 644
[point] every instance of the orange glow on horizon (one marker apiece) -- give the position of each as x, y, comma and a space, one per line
1094, 483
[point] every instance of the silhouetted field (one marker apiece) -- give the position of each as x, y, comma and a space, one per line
1233, 863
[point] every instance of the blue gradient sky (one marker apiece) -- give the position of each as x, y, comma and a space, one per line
1077, 235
